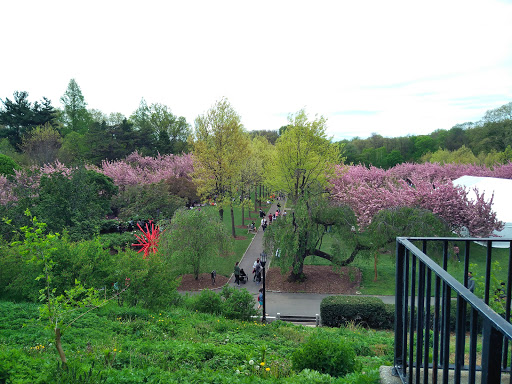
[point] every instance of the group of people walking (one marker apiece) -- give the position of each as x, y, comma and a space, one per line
271, 217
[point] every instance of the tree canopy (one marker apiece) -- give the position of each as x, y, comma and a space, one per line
315, 218
20, 116
76, 116
220, 146
304, 156
194, 237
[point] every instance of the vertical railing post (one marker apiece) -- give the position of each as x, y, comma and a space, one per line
412, 307
492, 342
488, 272
405, 289
446, 332
399, 275
420, 328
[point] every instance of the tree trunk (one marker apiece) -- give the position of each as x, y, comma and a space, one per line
297, 274
260, 196
221, 214
58, 345
233, 223
255, 198
242, 202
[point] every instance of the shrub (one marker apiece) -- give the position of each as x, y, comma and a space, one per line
321, 353
152, 280
238, 303
7, 165
207, 302
370, 311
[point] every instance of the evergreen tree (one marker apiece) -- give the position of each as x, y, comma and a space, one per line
19, 116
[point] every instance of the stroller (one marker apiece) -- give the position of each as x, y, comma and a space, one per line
243, 276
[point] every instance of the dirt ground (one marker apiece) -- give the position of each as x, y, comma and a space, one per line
320, 279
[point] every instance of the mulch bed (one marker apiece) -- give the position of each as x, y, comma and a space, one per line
320, 279
188, 283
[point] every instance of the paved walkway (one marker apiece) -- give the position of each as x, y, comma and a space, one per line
252, 253
305, 304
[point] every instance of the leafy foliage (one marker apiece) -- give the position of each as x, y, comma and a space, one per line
77, 203
146, 201
7, 166
193, 238
304, 156
322, 354
220, 144
76, 116
130, 345
19, 116
301, 233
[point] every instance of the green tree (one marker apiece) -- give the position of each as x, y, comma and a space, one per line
150, 201
422, 145
271, 136
194, 239
146, 139
42, 144
302, 233
220, 144
74, 148
19, 116
171, 131
76, 116
77, 202
59, 311
499, 114
304, 156
7, 165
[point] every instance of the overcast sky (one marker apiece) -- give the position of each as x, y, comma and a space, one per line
389, 67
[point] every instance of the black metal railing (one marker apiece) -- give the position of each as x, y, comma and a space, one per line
430, 338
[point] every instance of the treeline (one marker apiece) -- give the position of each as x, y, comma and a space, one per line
486, 142
39, 133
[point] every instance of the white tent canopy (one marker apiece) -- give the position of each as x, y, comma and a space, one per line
502, 201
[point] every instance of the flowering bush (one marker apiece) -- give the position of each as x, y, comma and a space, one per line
136, 169
428, 186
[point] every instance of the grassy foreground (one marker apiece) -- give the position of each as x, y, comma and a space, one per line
132, 345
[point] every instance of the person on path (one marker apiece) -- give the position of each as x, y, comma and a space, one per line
270, 218
471, 282
258, 273
260, 298
256, 263
237, 274
456, 251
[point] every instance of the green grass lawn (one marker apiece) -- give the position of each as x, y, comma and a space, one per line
174, 345
385, 284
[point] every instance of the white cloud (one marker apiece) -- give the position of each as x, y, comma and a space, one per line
415, 66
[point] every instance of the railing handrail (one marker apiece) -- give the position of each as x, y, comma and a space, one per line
459, 239
478, 304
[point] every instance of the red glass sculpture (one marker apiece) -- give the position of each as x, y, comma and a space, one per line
149, 239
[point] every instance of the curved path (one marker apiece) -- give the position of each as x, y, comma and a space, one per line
303, 304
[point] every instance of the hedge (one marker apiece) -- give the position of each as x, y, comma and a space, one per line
337, 311
370, 311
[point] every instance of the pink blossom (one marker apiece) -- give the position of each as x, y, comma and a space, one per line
428, 186
136, 169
